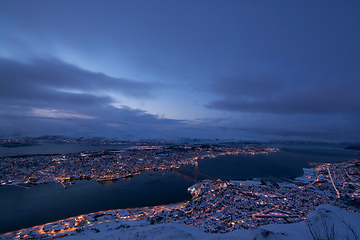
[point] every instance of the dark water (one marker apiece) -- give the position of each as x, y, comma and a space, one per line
287, 163
22, 208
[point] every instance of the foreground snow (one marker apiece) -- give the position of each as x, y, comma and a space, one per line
141, 230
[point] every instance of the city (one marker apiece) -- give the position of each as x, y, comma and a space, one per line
216, 206
108, 165
149, 119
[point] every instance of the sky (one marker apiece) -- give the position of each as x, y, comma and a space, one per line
247, 70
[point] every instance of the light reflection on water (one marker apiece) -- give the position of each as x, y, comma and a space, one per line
288, 162
21, 208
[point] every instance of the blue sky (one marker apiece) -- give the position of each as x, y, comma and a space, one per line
170, 69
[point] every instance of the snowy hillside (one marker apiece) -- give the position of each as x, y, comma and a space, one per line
139, 230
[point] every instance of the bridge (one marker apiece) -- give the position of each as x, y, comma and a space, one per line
192, 174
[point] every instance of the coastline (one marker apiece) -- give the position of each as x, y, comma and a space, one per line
150, 215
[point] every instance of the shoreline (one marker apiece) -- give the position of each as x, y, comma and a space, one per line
71, 225
181, 203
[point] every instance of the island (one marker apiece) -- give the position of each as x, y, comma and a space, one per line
216, 206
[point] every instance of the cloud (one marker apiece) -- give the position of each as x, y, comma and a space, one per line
51, 113
283, 67
52, 85
29, 80
124, 123
48, 96
330, 94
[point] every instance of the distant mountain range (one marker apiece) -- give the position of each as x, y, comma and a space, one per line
97, 139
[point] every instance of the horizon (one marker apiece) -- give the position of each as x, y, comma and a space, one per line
248, 71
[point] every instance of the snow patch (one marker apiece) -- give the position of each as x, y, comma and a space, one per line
299, 231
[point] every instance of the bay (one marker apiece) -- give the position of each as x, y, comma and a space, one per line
287, 163
23, 208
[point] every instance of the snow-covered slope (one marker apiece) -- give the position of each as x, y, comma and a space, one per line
299, 231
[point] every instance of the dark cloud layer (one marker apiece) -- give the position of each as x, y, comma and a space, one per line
231, 69
19, 80
53, 84
277, 95
48, 96
76, 121
121, 123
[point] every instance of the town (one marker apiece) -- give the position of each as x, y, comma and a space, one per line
223, 206
216, 206
108, 165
